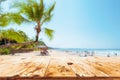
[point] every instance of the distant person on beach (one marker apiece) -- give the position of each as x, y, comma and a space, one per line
85, 55
44, 51
115, 54
92, 53
108, 55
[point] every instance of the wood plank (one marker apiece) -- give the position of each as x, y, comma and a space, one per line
41, 69
9, 67
83, 69
7, 63
113, 62
27, 67
107, 65
58, 68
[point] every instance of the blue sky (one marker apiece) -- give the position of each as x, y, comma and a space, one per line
82, 24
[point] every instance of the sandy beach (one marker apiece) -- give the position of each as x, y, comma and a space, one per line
58, 64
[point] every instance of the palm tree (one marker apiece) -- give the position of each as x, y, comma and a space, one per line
33, 12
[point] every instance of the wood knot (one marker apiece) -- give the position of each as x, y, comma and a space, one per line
69, 63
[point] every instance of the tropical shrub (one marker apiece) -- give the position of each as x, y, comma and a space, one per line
12, 36
4, 51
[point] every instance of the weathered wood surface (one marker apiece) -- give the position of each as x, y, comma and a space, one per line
59, 66
85, 69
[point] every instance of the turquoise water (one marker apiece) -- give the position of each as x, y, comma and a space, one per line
90, 52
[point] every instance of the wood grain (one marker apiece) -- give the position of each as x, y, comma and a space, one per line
47, 66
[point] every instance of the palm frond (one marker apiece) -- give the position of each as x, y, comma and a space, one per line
26, 9
46, 19
17, 18
48, 14
49, 33
51, 8
38, 10
35, 8
8, 18
41, 9
4, 20
32, 10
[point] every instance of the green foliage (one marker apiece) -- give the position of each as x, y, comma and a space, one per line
29, 11
5, 51
41, 43
49, 33
30, 46
16, 47
25, 37
9, 18
4, 20
48, 14
36, 12
12, 35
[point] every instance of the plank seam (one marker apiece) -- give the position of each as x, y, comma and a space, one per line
47, 68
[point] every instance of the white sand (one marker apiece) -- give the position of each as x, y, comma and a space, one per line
52, 53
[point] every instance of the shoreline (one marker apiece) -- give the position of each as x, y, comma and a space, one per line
73, 53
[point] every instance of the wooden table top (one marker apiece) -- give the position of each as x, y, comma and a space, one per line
46, 66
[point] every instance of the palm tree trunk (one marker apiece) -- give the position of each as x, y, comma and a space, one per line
38, 30
37, 37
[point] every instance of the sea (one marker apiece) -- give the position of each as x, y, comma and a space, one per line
90, 52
